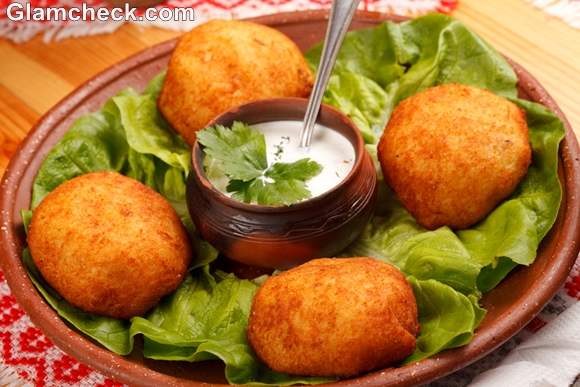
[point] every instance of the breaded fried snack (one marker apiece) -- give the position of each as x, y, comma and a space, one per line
108, 244
225, 63
452, 153
334, 317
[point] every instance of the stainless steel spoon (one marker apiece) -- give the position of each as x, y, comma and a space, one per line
341, 14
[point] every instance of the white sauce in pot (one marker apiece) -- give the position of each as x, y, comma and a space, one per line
328, 148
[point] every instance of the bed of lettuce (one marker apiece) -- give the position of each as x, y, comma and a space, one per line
206, 317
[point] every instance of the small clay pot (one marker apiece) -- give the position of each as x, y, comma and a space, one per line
285, 236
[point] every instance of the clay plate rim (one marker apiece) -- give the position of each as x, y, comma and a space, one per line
75, 344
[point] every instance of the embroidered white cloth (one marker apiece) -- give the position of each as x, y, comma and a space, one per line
550, 358
567, 10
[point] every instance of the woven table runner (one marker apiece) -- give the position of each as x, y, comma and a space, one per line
21, 31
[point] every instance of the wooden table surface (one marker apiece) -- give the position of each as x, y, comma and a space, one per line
34, 76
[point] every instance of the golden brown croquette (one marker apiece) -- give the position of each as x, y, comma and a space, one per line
109, 244
225, 63
452, 153
334, 317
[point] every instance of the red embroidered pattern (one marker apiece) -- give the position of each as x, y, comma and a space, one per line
204, 9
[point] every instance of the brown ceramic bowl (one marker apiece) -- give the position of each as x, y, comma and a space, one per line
285, 236
510, 306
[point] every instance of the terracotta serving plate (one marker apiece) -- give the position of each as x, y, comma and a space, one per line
510, 306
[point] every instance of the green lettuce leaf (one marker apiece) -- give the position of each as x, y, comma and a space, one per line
93, 143
394, 236
373, 53
439, 49
401, 59
147, 132
128, 136
366, 103
447, 318
207, 318
155, 85
511, 234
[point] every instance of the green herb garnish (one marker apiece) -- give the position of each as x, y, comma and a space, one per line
241, 153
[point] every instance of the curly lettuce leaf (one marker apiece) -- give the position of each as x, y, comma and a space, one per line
511, 234
155, 85
402, 59
128, 136
114, 334
93, 143
366, 103
447, 318
439, 49
394, 236
147, 132
207, 318
373, 53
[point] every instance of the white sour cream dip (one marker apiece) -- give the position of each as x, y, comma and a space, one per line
328, 147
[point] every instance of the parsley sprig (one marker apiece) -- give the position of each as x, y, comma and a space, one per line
240, 152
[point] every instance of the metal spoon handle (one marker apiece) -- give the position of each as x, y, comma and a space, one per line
341, 14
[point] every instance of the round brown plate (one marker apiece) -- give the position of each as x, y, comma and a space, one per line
510, 306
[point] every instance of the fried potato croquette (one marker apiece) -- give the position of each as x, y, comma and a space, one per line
109, 244
225, 63
452, 153
334, 317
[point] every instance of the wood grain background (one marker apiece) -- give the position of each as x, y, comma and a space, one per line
34, 76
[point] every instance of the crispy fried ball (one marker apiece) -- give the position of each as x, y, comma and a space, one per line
225, 63
452, 153
334, 317
109, 244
